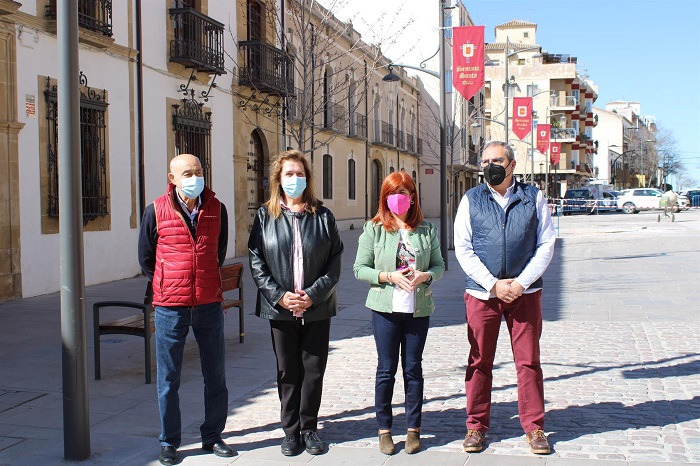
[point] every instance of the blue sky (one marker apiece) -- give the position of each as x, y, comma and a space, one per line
644, 51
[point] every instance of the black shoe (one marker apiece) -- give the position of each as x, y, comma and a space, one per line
168, 455
313, 444
219, 448
291, 445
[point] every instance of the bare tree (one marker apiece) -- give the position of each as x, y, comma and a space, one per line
325, 68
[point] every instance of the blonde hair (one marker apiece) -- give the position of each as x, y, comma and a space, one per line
276, 191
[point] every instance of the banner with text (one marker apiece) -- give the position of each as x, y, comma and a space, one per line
543, 138
522, 116
468, 59
555, 152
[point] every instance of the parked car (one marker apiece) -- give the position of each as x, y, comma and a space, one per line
578, 201
632, 201
693, 196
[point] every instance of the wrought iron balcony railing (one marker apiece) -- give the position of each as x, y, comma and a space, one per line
410, 143
358, 125
339, 117
400, 139
94, 15
563, 133
265, 68
387, 133
198, 42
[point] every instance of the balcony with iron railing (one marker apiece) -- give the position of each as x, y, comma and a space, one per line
198, 41
358, 125
93, 15
265, 68
565, 134
339, 119
410, 143
387, 133
400, 140
563, 102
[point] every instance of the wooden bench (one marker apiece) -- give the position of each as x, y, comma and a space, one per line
143, 325
231, 280
140, 325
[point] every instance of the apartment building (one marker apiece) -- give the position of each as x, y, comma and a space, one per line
562, 97
164, 77
627, 157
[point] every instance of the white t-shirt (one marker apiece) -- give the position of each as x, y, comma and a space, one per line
402, 300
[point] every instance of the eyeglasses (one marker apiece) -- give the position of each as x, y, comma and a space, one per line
497, 161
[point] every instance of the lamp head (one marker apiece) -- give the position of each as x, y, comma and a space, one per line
391, 77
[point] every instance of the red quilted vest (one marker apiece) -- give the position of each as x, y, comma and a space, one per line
187, 270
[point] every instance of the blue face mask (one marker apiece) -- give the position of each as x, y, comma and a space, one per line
294, 186
192, 187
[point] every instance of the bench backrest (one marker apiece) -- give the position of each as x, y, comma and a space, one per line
231, 276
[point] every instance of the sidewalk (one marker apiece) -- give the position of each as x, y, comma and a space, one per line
620, 352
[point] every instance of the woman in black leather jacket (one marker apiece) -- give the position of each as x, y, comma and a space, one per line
294, 251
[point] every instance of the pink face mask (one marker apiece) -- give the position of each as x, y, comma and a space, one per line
398, 203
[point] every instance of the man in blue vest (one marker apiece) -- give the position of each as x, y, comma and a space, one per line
504, 241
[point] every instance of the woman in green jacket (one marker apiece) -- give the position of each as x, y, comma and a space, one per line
399, 255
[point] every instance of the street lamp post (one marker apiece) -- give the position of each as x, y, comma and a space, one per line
511, 82
391, 77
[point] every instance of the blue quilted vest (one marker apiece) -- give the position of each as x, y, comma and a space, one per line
505, 241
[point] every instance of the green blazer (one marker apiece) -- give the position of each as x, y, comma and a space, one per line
376, 252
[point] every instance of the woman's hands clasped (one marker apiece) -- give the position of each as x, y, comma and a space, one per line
296, 302
408, 279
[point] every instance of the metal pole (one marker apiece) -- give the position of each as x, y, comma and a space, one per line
398, 149
76, 419
532, 139
506, 88
443, 139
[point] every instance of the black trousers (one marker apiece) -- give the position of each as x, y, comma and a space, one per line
302, 354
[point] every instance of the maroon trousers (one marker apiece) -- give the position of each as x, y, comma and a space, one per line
524, 319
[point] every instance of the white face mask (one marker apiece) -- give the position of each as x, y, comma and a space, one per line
192, 186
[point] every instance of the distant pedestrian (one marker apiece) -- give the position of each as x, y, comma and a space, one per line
295, 252
504, 241
399, 255
182, 245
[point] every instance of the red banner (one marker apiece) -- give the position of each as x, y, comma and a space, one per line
543, 138
555, 152
468, 59
522, 116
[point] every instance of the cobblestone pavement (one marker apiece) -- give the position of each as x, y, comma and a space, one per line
620, 352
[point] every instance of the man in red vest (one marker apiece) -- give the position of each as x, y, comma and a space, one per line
182, 245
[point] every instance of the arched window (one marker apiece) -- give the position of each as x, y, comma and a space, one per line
327, 176
351, 179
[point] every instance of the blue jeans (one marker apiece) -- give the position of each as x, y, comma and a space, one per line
172, 327
393, 332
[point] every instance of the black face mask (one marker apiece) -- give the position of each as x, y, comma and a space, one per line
495, 174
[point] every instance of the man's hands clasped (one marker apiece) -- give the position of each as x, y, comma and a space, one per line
507, 290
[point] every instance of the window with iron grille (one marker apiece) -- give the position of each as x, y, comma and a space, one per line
255, 20
351, 179
193, 133
327, 176
93, 149
94, 15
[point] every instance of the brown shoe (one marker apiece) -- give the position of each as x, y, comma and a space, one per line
412, 442
386, 443
474, 441
538, 442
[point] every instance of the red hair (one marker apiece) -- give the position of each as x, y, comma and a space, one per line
390, 185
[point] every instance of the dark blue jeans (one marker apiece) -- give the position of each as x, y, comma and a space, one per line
399, 334
172, 327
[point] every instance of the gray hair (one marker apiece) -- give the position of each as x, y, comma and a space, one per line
509, 150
